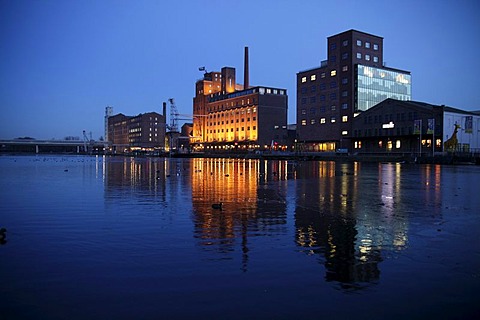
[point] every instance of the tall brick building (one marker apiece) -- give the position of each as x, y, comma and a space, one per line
230, 116
351, 80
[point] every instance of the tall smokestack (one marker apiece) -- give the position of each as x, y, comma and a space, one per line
246, 83
165, 112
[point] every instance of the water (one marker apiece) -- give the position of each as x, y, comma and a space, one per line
133, 238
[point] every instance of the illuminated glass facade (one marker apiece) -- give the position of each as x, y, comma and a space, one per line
375, 85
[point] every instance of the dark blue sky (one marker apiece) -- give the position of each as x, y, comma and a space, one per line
62, 62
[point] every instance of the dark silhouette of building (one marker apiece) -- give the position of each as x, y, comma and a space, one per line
229, 116
353, 79
395, 126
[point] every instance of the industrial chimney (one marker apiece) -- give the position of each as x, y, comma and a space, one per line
246, 83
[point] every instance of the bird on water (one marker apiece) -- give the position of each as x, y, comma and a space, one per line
217, 205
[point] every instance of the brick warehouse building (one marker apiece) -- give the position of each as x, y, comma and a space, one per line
230, 116
144, 132
351, 80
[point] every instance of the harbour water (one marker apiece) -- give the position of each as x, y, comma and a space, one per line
138, 238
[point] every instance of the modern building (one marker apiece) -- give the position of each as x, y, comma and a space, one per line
353, 79
395, 126
229, 116
144, 132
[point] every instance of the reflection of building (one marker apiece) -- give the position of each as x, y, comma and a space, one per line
145, 132
325, 223
398, 126
249, 209
351, 80
231, 116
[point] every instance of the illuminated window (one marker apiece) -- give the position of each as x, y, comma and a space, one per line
345, 119
380, 143
367, 45
323, 120
359, 55
367, 57
304, 122
397, 144
375, 46
359, 43
375, 59
304, 79
345, 68
312, 121
304, 111
344, 132
333, 73
333, 119
358, 144
269, 91
313, 77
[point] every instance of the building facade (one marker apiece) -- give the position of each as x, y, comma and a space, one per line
229, 116
144, 132
353, 79
413, 127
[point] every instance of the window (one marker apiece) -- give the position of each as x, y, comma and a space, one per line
359, 43
313, 99
333, 119
345, 68
367, 57
345, 43
375, 46
333, 96
344, 106
375, 59
333, 84
313, 88
359, 55
344, 118
333, 58
312, 121
322, 97
367, 45
304, 90
397, 144
333, 46
322, 75
344, 132
345, 93
344, 56
304, 122
313, 77
344, 80
304, 79
322, 86
312, 110
333, 73
304, 100
322, 120
304, 111
333, 108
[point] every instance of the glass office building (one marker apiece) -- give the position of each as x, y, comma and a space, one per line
375, 85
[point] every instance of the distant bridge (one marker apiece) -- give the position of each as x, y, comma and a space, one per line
52, 146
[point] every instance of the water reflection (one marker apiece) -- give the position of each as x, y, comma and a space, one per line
250, 206
349, 216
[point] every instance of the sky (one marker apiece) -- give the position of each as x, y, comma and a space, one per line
63, 61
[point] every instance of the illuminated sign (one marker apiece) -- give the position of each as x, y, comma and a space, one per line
389, 125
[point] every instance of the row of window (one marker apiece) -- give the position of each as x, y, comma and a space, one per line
323, 86
333, 97
367, 44
389, 117
231, 121
333, 119
231, 129
232, 113
333, 73
222, 107
367, 57
324, 108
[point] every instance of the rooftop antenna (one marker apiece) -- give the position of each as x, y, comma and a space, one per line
202, 69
